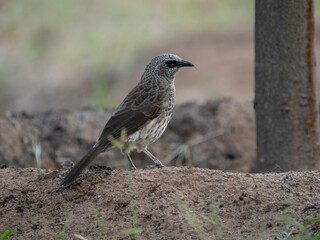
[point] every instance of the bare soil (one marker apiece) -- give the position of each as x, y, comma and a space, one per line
156, 204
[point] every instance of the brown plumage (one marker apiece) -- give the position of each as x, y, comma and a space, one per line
144, 113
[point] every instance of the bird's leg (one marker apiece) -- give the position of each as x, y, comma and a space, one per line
130, 160
153, 158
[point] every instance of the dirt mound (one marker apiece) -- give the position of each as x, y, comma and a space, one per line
171, 203
217, 135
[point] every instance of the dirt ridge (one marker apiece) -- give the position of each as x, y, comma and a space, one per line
107, 205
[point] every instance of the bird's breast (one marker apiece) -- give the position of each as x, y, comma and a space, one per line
151, 131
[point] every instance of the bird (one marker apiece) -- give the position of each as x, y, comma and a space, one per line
143, 115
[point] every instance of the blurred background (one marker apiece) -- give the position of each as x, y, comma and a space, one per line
78, 53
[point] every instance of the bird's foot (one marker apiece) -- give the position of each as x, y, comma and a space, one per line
149, 166
160, 165
152, 166
156, 161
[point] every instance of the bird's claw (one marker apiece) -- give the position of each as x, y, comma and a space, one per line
152, 166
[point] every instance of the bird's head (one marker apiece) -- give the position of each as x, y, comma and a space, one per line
167, 65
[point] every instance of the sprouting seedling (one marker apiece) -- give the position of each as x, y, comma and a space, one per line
118, 143
42, 221
194, 222
122, 143
7, 233
60, 235
304, 232
215, 218
136, 230
283, 236
301, 230
101, 223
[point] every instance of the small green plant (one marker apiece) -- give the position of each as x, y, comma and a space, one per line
126, 147
300, 230
136, 230
282, 236
60, 233
42, 221
7, 233
198, 227
194, 222
304, 233
101, 223
122, 143
215, 218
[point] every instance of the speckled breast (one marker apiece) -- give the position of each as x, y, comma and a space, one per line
152, 131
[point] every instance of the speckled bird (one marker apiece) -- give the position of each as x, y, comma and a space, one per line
144, 114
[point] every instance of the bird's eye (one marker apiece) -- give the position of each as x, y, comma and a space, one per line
172, 64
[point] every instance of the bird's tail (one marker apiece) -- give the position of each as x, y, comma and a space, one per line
80, 166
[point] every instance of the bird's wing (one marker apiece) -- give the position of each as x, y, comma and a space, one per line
131, 121
135, 111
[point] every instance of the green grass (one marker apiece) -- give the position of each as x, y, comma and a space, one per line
299, 231
194, 222
304, 233
60, 230
136, 230
7, 234
216, 221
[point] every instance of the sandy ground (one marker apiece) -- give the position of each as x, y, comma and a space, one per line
171, 203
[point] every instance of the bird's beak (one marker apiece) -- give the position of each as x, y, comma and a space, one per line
184, 63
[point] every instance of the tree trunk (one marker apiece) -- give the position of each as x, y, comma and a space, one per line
285, 97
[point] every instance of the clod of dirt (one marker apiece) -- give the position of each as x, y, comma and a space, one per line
169, 203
